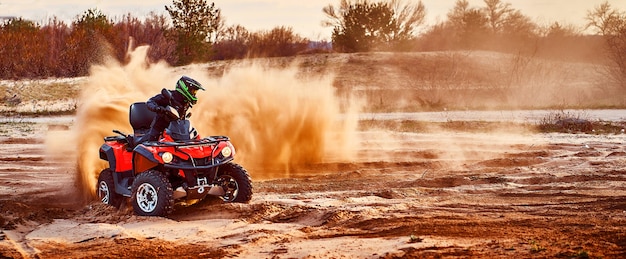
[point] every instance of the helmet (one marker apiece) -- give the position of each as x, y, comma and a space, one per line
188, 88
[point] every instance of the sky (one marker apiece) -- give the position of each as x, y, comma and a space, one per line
303, 16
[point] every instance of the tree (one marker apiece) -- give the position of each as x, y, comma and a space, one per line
232, 43
362, 26
496, 26
604, 19
155, 31
21, 47
56, 33
558, 30
504, 19
88, 42
458, 13
497, 12
196, 24
278, 42
469, 26
474, 28
610, 23
131, 32
408, 17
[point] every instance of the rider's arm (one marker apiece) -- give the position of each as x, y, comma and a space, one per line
156, 101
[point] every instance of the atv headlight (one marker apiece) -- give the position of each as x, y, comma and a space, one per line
167, 157
226, 151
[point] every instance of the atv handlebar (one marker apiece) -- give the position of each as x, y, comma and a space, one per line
119, 132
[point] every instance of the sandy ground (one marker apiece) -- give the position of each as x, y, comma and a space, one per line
405, 195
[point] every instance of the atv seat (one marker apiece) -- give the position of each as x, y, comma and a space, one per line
140, 118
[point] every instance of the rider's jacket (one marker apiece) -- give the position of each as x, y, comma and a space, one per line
161, 121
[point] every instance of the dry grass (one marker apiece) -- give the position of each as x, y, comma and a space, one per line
39, 97
42, 90
578, 122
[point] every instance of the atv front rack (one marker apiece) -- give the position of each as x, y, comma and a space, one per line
186, 143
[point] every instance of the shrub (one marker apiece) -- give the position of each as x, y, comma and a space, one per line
562, 121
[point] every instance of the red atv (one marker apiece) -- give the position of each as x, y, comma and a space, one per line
180, 167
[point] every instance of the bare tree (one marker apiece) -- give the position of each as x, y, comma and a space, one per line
610, 23
278, 42
504, 19
155, 31
519, 24
408, 18
336, 15
604, 19
233, 43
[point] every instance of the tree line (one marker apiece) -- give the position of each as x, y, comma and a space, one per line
392, 25
195, 32
395, 25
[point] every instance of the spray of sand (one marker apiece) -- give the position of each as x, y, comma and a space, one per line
274, 118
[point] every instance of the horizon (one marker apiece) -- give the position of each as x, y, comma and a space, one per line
304, 18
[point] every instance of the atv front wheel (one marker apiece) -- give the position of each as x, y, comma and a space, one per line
106, 189
236, 183
152, 194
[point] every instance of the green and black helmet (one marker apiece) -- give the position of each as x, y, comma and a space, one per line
188, 88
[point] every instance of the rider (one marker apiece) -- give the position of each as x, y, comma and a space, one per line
183, 97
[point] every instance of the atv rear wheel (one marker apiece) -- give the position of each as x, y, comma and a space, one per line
152, 194
106, 189
236, 183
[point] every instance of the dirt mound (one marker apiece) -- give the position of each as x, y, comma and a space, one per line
512, 162
132, 248
9, 141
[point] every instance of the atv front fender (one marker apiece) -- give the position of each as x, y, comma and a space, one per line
143, 160
107, 154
